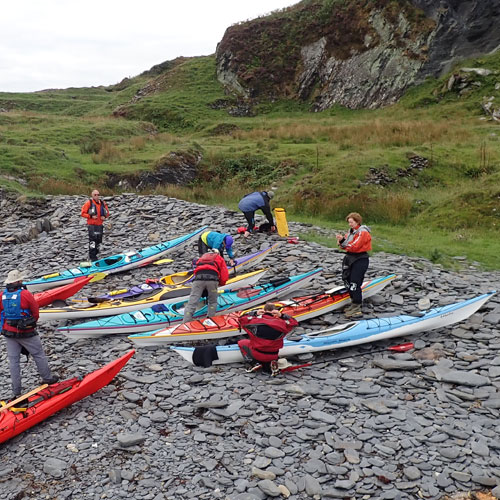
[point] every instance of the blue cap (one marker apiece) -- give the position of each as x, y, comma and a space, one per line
228, 240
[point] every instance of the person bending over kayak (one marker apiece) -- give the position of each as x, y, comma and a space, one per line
210, 240
357, 243
210, 272
266, 330
259, 200
18, 316
95, 210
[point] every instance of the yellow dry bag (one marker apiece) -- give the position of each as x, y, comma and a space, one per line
281, 223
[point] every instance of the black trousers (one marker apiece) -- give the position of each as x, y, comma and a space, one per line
354, 279
250, 217
95, 239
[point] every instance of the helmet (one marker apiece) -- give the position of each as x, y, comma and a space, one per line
270, 194
228, 241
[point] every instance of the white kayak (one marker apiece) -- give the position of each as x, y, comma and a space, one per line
359, 332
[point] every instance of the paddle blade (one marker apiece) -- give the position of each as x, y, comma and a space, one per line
401, 347
98, 277
291, 368
162, 261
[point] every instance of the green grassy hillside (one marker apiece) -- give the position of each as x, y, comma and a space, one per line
323, 164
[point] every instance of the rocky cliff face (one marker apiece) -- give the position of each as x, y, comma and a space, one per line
362, 53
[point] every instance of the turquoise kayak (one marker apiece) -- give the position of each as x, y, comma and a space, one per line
359, 332
113, 264
164, 315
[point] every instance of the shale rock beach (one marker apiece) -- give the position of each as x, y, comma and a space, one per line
376, 425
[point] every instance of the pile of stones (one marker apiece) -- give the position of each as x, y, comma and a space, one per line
372, 425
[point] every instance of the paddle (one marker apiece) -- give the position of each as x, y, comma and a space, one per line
162, 261
97, 277
395, 348
23, 397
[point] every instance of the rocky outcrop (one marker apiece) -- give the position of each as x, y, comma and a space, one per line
176, 167
359, 55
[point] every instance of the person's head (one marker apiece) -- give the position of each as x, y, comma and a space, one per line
270, 194
270, 307
14, 278
95, 194
228, 241
354, 220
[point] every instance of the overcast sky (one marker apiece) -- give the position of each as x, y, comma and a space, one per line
74, 43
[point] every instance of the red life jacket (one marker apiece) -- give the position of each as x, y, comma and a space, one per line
207, 262
267, 332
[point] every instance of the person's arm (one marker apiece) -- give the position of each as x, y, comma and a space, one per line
107, 214
85, 209
30, 303
223, 272
266, 209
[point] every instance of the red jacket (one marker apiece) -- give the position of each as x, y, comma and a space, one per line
27, 302
101, 209
357, 241
267, 333
212, 261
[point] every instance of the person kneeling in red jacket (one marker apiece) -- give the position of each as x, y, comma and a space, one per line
266, 329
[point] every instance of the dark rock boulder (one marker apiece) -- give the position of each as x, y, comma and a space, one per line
177, 167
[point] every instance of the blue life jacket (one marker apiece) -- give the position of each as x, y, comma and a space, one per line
93, 207
11, 302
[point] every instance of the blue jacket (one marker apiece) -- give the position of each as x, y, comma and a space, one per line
255, 201
216, 240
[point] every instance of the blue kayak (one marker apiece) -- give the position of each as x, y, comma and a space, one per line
164, 315
359, 332
113, 264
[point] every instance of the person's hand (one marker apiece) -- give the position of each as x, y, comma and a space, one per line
276, 313
231, 262
273, 229
94, 217
339, 237
246, 234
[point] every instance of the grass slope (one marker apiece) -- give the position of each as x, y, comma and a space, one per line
66, 141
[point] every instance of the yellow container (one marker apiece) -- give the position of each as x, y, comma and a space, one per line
281, 223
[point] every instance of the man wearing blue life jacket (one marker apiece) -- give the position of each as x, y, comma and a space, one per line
211, 240
259, 200
18, 316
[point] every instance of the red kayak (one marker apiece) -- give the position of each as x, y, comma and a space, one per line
61, 292
57, 396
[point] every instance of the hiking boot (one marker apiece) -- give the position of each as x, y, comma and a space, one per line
254, 367
274, 368
354, 311
348, 308
52, 380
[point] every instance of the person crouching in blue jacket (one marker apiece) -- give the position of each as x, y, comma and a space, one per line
259, 200
211, 240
